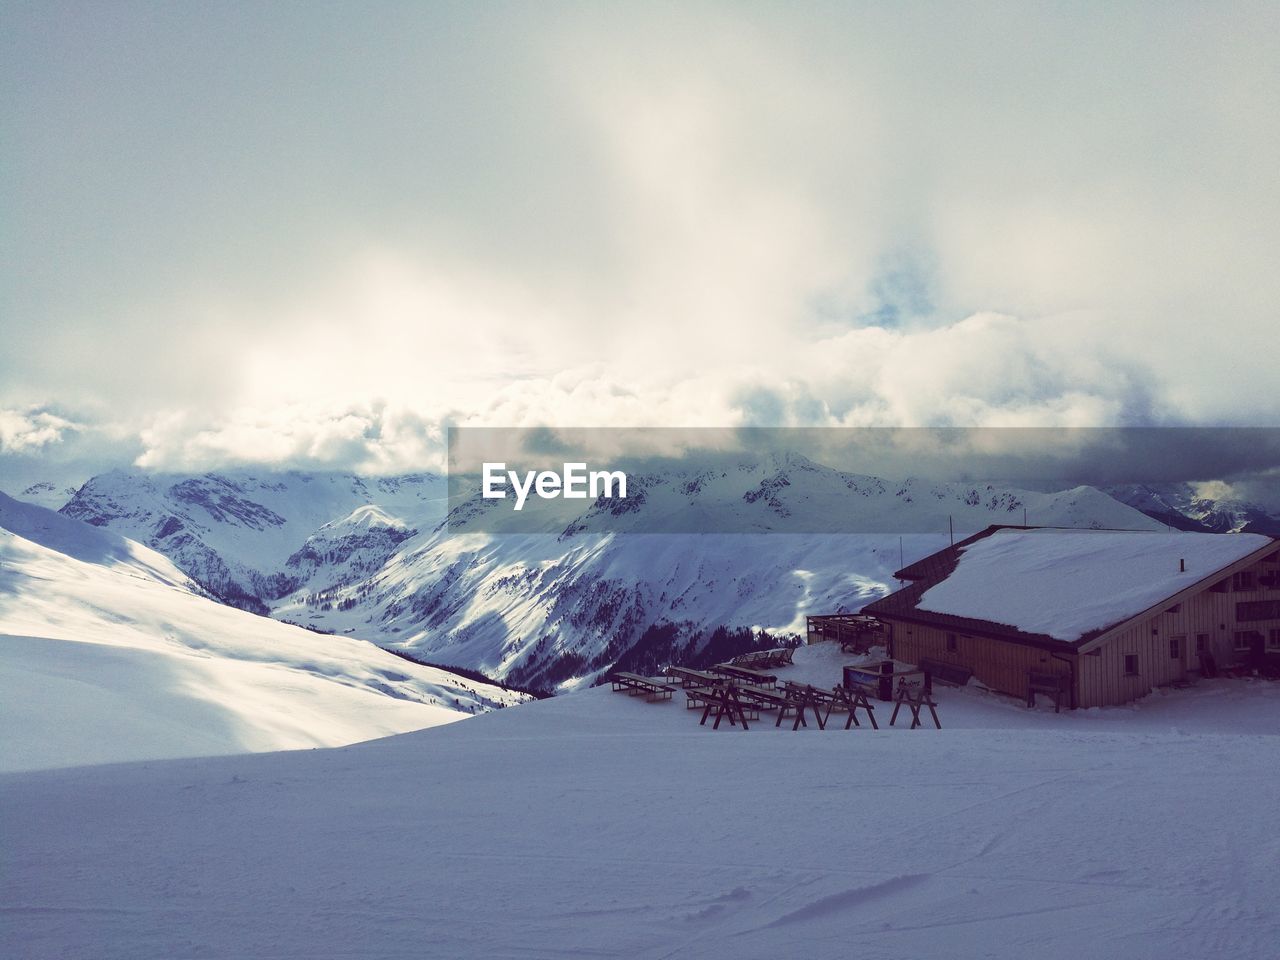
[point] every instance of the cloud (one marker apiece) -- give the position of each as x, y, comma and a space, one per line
376, 439
1262, 489
31, 431
693, 215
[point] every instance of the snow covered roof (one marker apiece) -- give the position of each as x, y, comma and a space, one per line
1060, 585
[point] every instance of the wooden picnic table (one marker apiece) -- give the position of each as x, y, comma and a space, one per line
744, 673
725, 701
742, 702
852, 700
766, 690
915, 697
635, 685
696, 697
689, 677
767, 698
801, 697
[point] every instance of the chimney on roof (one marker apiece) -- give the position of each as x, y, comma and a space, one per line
1182, 565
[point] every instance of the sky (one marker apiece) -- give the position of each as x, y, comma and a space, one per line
313, 234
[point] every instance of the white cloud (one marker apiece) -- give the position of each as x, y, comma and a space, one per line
679, 217
377, 439
984, 370
31, 431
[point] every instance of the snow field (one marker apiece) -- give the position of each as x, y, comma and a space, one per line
599, 825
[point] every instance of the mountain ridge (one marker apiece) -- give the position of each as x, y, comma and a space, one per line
388, 559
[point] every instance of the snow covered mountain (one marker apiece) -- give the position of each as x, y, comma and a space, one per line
245, 537
1187, 507
347, 551
110, 652
789, 493
47, 493
374, 558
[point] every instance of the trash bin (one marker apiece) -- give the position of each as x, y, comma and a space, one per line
886, 680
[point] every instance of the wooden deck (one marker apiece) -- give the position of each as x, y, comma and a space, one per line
855, 632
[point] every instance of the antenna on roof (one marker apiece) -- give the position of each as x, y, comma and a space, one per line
952, 527
901, 565
1024, 517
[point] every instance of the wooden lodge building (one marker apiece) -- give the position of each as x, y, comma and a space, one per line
1111, 614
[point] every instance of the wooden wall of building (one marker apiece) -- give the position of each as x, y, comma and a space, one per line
1000, 665
1209, 615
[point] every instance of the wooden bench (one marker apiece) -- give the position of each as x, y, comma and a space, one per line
777, 657
696, 697
621, 684
951, 674
766, 698
781, 656
1056, 685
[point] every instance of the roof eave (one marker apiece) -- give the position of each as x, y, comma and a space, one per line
1039, 641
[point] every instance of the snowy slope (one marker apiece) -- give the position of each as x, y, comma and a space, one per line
598, 825
87, 544
371, 558
544, 611
1068, 583
106, 654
